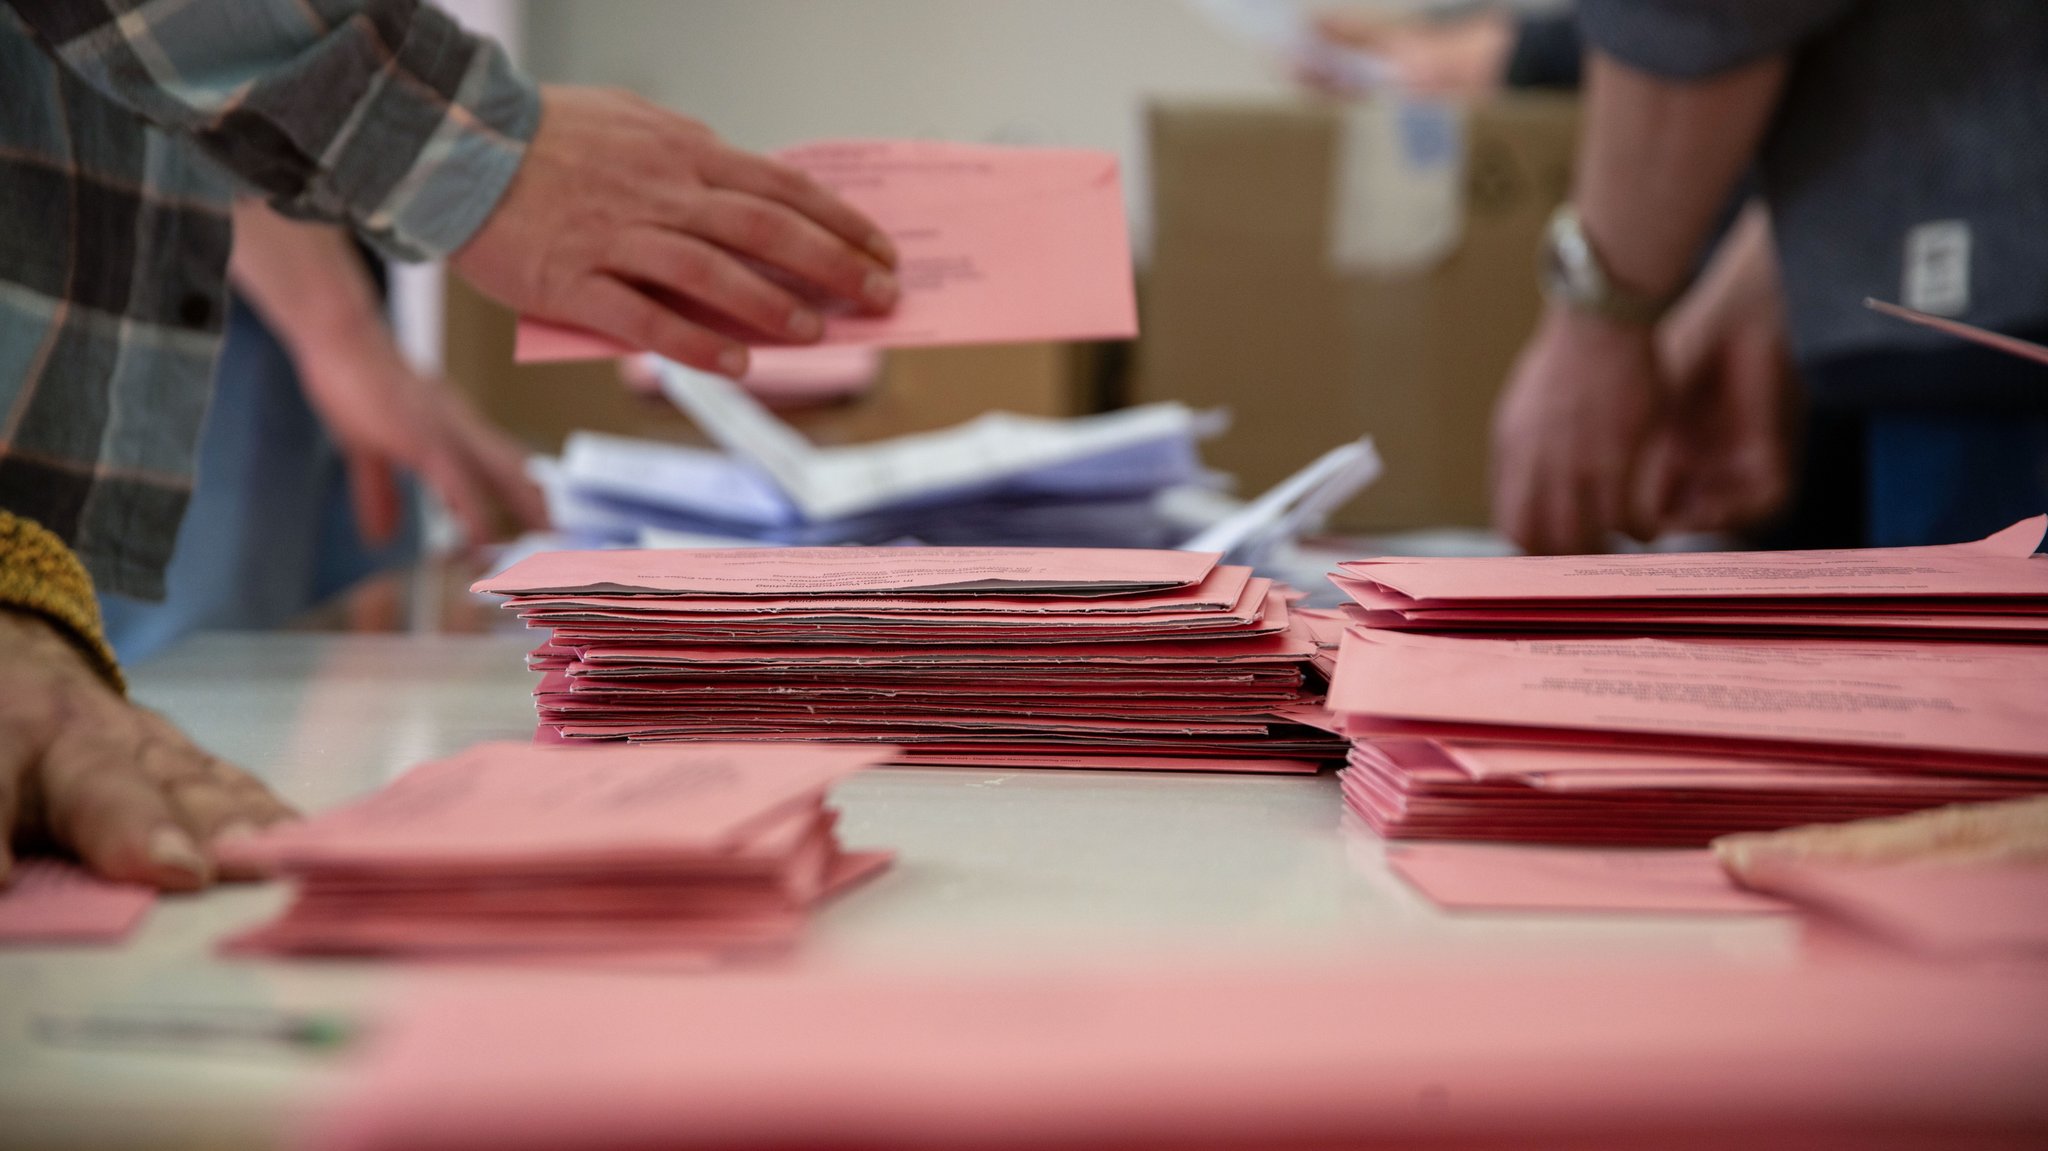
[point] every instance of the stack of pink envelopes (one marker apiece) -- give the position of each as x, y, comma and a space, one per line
1667, 699
510, 850
1010, 657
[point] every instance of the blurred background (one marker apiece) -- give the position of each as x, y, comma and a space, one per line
1262, 312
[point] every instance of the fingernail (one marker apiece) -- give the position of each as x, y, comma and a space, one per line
882, 248
171, 848
805, 325
880, 289
733, 362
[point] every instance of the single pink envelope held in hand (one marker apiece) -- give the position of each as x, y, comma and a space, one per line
998, 245
49, 901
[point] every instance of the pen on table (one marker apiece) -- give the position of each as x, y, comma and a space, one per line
197, 1028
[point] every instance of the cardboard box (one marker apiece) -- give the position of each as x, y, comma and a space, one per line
1246, 304
921, 388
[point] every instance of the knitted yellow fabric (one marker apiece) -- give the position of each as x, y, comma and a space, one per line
39, 574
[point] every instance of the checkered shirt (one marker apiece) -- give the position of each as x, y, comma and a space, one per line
126, 127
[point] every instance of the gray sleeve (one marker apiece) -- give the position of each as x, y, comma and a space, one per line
1690, 39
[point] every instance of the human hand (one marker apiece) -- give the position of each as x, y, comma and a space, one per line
1569, 430
2014, 830
386, 417
1722, 461
639, 224
85, 770
1459, 58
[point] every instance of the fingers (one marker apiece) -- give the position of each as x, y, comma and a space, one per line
138, 802
221, 805
499, 460
373, 492
611, 308
770, 180
694, 269
119, 821
2008, 830
787, 239
448, 474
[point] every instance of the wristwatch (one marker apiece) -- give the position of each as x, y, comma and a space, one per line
1574, 276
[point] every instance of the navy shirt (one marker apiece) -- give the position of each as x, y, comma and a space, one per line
1908, 159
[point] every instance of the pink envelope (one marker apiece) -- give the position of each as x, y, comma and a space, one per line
1946, 909
998, 245
1485, 877
1965, 701
785, 572
1346, 1052
50, 901
1997, 566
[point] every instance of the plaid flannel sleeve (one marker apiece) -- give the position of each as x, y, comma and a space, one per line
381, 114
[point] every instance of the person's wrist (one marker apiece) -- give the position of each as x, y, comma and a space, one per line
1596, 331
1578, 271
40, 641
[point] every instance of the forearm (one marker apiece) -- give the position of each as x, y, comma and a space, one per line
1659, 159
305, 280
381, 114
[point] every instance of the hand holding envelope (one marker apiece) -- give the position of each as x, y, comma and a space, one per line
632, 221
998, 245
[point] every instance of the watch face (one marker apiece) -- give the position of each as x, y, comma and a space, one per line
1568, 266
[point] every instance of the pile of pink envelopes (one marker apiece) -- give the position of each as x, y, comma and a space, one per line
511, 850
1005, 657
1667, 699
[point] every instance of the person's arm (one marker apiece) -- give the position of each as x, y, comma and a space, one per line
1658, 160
586, 207
1723, 461
309, 284
82, 767
382, 114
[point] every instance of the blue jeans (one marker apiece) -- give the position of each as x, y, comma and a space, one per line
269, 531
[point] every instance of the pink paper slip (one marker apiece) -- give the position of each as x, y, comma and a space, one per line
1996, 566
2010, 345
1353, 1052
1954, 699
1484, 877
1951, 910
998, 245
49, 901
786, 572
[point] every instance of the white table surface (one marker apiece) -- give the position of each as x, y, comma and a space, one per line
1069, 865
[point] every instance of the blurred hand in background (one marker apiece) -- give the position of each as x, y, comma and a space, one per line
310, 286
1721, 460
